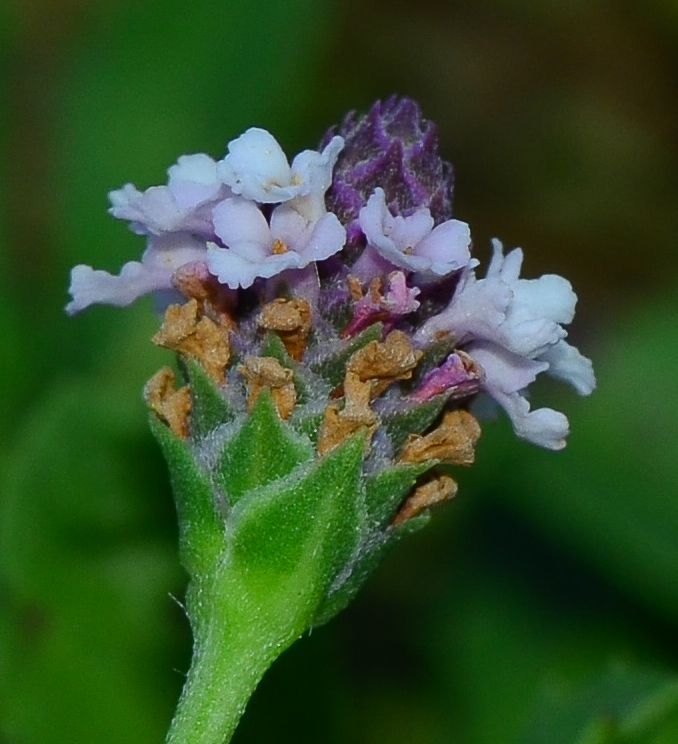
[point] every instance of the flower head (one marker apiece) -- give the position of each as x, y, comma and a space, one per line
334, 341
360, 235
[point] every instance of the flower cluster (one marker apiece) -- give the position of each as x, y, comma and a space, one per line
348, 250
335, 344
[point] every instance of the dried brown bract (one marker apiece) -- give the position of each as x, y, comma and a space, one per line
355, 290
356, 414
384, 362
201, 338
428, 494
195, 282
452, 442
291, 320
266, 373
172, 406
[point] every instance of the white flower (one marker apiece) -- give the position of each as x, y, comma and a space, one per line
163, 256
512, 328
255, 248
505, 378
256, 168
412, 242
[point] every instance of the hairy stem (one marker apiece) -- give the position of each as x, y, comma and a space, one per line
232, 651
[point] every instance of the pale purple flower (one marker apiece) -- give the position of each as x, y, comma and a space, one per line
174, 217
506, 377
387, 252
255, 248
411, 243
163, 256
184, 205
256, 168
512, 328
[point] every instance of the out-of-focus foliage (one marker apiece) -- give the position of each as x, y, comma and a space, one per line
541, 605
622, 517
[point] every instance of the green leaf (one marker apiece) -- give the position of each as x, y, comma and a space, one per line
308, 421
332, 367
273, 346
201, 526
262, 450
338, 599
209, 408
411, 417
313, 516
386, 489
383, 492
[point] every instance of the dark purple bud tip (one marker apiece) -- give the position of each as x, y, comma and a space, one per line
395, 148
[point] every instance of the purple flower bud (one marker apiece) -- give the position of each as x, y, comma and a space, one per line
458, 374
391, 147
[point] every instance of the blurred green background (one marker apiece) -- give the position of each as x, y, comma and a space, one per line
540, 606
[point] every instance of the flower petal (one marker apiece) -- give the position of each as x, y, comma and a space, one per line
477, 310
566, 363
236, 270
327, 237
163, 256
193, 180
544, 426
238, 221
158, 211
256, 167
447, 247
312, 171
507, 375
154, 211
89, 286
504, 371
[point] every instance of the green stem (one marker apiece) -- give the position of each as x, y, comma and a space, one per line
232, 651
257, 581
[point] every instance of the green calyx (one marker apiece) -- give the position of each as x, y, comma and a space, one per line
292, 476
264, 501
